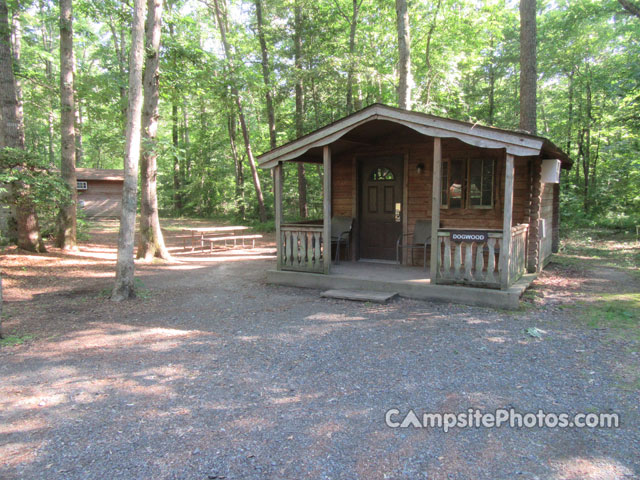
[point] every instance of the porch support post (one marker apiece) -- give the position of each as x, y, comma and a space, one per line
505, 247
277, 193
326, 207
435, 207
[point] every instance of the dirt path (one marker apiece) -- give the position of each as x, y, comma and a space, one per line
214, 374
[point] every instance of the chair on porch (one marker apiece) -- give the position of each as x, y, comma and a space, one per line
421, 238
341, 233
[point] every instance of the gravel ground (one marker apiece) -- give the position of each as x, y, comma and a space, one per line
216, 374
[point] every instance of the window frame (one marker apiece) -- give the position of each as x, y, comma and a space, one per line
81, 185
466, 187
493, 182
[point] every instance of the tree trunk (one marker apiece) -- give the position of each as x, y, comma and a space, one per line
404, 55
266, 76
570, 113
66, 237
353, 25
630, 7
13, 127
427, 55
303, 206
186, 141
120, 50
237, 163
528, 38
124, 287
151, 239
221, 19
177, 195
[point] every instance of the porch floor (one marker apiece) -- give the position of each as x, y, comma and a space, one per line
378, 271
409, 282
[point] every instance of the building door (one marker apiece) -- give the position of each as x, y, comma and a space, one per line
381, 208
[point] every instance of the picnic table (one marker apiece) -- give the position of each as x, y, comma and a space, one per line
202, 231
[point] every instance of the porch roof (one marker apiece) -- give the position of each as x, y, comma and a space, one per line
306, 148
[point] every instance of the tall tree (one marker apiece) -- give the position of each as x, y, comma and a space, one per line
67, 216
221, 17
124, 287
528, 66
151, 239
404, 55
266, 75
352, 20
303, 205
13, 128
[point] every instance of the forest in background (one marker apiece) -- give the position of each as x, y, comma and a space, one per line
306, 64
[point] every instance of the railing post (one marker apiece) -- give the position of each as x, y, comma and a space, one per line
326, 204
277, 193
435, 208
505, 247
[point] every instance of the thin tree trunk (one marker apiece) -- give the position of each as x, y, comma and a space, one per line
528, 66
427, 54
219, 13
120, 50
570, 113
630, 7
177, 195
266, 76
237, 163
353, 25
186, 141
78, 115
303, 206
124, 287
151, 239
13, 127
79, 125
66, 237
404, 55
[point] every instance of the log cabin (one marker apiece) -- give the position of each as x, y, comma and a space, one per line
489, 198
100, 192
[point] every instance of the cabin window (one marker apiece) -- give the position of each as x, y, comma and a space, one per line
81, 185
467, 183
381, 174
481, 182
453, 183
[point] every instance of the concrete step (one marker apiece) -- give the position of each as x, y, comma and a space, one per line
360, 295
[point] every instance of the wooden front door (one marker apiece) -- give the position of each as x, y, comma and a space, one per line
381, 208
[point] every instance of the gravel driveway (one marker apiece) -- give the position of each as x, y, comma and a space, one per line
218, 375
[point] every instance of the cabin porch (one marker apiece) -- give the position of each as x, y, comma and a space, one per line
406, 281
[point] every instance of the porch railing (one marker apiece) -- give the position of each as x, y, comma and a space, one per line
469, 263
479, 263
301, 247
518, 254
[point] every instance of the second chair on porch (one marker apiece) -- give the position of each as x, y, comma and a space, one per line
341, 233
420, 239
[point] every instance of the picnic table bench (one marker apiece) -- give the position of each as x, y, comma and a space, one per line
200, 232
235, 238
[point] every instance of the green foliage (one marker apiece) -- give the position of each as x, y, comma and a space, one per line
465, 57
23, 170
11, 340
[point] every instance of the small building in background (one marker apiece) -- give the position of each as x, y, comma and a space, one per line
100, 192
